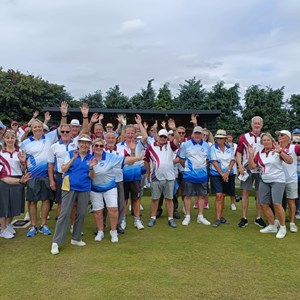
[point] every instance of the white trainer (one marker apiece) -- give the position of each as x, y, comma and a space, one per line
186, 221
293, 227
281, 232
78, 243
138, 224
123, 224
54, 249
269, 229
6, 234
99, 236
233, 207
11, 229
27, 217
114, 236
202, 220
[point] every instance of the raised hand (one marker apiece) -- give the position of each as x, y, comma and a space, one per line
93, 162
22, 156
84, 109
171, 124
138, 119
64, 108
95, 118
194, 119
47, 117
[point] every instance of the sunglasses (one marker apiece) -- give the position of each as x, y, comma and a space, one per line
99, 146
280, 134
64, 131
295, 143
204, 134
163, 136
180, 132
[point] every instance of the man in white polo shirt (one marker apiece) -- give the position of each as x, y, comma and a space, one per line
161, 174
290, 170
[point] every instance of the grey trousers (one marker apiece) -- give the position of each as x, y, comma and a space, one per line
121, 201
62, 224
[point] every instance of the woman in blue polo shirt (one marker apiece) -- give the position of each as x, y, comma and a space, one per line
76, 186
221, 174
104, 187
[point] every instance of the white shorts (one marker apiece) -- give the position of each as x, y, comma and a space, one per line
110, 197
291, 190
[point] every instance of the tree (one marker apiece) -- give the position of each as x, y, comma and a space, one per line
164, 99
294, 104
191, 95
116, 99
228, 101
21, 94
145, 99
268, 104
93, 100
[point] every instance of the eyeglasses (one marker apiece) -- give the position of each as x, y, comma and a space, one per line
296, 143
64, 131
99, 146
181, 132
280, 134
204, 134
163, 136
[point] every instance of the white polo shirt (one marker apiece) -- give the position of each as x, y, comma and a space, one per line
161, 161
57, 153
271, 165
11, 162
290, 170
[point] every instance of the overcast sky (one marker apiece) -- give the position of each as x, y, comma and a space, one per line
89, 45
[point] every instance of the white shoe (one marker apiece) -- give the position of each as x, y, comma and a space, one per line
54, 249
99, 236
276, 223
281, 232
233, 207
11, 229
141, 207
114, 236
202, 220
123, 224
78, 243
6, 234
186, 221
27, 217
269, 229
297, 216
138, 224
293, 227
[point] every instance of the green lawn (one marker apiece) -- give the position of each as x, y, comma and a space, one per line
194, 262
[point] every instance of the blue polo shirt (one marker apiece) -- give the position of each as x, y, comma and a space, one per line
222, 158
105, 178
78, 173
195, 156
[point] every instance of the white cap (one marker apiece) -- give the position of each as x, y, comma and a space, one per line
221, 134
75, 122
286, 132
85, 138
198, 129
46, 127
170, 131
163, 132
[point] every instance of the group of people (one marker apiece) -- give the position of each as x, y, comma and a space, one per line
77, 164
